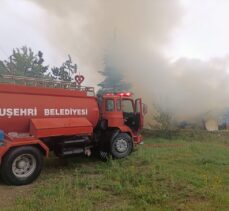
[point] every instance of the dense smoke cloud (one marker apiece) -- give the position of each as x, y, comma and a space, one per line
203, 86
86, 29
135, 33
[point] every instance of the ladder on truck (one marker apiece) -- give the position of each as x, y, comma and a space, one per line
42, 82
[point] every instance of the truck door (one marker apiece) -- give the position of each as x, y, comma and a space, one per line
139, 114
129, 117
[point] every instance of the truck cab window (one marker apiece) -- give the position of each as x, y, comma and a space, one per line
138, 109
128, 112
110, 105
127, 106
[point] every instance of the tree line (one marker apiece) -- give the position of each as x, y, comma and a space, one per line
25, 62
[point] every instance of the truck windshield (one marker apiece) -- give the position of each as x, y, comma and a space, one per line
127, 106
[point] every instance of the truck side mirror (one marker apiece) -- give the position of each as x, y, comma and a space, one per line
145, 109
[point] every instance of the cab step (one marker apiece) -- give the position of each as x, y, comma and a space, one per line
73, 151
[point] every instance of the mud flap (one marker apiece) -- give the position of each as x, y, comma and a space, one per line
104, 146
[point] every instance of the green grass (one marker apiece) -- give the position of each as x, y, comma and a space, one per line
191, 175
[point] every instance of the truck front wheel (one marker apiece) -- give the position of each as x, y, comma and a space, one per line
121, 146
21, 165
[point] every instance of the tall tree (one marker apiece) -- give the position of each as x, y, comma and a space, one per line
24, 62
3, 68
113, 79
66, 71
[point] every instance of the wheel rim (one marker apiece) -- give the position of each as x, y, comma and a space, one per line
24, 165
121, 145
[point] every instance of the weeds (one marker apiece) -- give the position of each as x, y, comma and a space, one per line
191, 177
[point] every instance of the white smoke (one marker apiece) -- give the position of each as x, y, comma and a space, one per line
136, 32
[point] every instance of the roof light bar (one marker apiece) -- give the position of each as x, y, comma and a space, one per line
122, 94
109, 94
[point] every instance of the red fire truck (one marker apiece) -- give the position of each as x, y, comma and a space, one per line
39, 116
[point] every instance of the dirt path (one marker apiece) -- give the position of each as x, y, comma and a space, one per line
177, 145
164, 145
9, 194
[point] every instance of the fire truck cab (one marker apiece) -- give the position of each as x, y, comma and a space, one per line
121, 120
120, 110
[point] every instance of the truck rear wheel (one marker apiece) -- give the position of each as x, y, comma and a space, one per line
21, 165
121, 146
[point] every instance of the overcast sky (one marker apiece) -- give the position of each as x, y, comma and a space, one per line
23, 23
203, 33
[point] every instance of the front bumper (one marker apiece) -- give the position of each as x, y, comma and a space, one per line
138, 139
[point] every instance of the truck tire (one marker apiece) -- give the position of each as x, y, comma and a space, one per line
121, 146
22, 165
